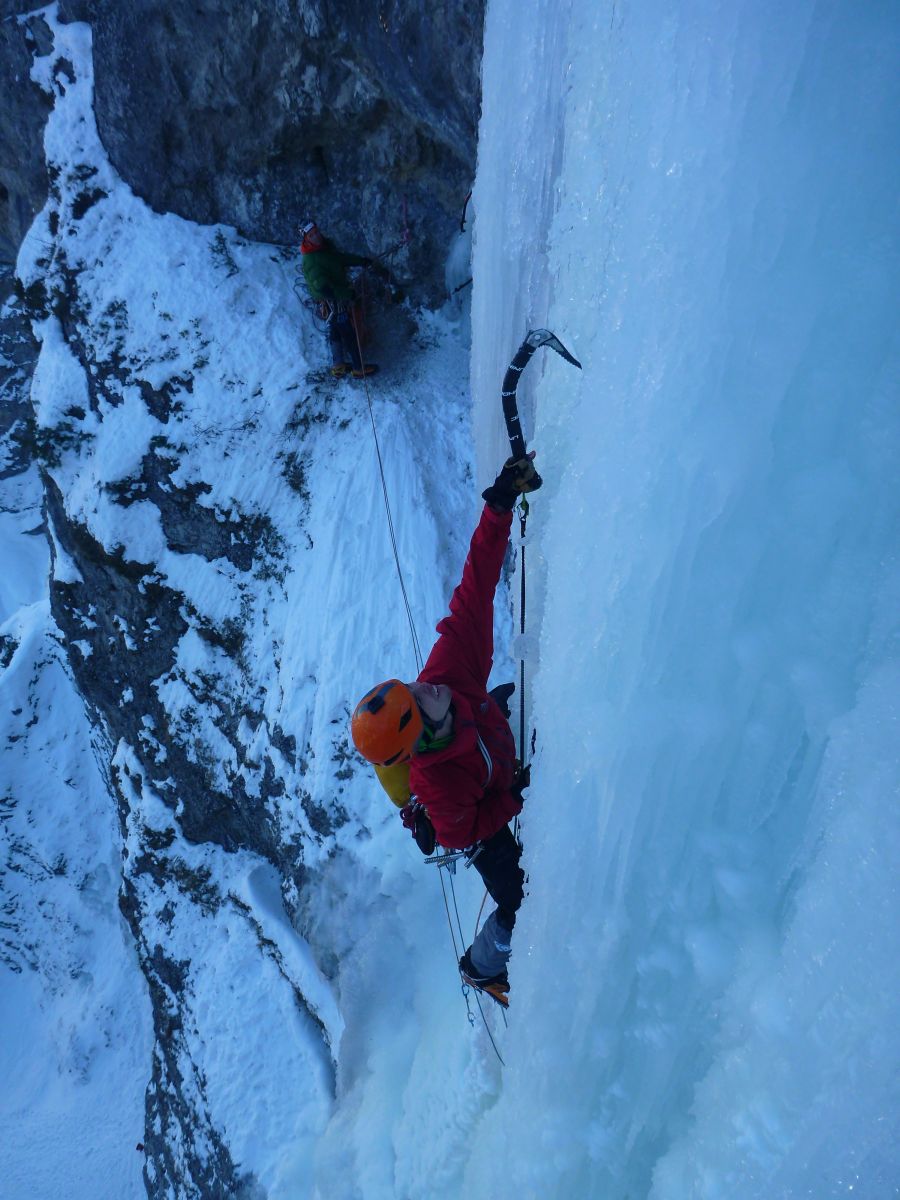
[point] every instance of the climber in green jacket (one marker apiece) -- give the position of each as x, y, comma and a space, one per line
325, 272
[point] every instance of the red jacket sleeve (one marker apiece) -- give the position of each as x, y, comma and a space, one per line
464, 651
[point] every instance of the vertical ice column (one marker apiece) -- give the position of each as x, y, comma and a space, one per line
520, 149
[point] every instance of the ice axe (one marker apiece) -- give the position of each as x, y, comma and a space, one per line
534, 339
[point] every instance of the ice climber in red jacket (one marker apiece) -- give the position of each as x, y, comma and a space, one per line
463, 775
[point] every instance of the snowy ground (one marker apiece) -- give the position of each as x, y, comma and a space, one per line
188, 349
700, 203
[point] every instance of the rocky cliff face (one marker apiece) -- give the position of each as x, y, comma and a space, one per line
23, 114
201, 483
258, 115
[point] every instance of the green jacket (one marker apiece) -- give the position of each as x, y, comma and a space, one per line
325, 272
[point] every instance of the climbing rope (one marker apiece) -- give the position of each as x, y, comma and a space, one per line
387, 508
450, 867
523, 521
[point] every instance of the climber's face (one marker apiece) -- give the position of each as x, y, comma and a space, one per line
433, 699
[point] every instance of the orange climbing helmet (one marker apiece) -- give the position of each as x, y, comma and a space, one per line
386, 724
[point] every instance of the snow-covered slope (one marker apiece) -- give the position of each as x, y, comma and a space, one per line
700, 202
73, 1005
217, 586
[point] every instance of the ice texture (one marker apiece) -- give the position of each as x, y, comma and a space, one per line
700, 201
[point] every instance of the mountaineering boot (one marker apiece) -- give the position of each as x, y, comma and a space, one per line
496, 986
363, 371
339, 370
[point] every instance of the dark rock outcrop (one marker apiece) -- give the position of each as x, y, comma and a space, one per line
23, 113
257, 115
18, 354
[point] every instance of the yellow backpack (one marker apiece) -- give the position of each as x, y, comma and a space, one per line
395, 781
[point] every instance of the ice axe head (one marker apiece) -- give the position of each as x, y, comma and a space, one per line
543, 337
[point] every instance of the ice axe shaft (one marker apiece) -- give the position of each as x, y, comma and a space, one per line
534, 339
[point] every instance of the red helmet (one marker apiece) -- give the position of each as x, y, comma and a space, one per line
310, 238
386, 725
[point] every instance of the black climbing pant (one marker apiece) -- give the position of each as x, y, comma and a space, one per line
498, 866
342, 336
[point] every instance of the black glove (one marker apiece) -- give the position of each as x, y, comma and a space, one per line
501, 694
417, 821
521, 782
516, 477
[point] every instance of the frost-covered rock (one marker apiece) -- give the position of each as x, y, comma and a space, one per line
259, 115
23, 178
200, 493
